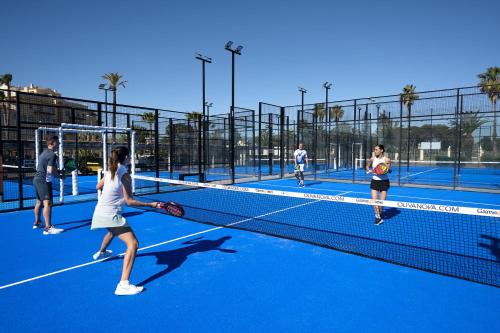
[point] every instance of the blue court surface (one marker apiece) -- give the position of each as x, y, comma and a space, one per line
207, 278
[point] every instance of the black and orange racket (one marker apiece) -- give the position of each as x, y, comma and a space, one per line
381, 169
172, 208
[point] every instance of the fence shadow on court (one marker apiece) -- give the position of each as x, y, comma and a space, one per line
173, 259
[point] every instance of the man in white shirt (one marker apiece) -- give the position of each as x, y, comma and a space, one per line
299, 158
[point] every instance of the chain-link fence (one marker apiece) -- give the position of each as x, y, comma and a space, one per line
445, 138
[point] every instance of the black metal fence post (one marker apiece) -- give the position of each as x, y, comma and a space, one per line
157, 149
270, 147
129, 137
200, 149
232, 143
458, 129
99, 114
282, 141
171, 146
253, 141
400, 138
20, 151
315, 144
353, 143
260, 141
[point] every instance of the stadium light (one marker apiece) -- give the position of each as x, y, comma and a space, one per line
229, 48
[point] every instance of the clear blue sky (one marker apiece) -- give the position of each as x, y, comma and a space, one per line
366, 48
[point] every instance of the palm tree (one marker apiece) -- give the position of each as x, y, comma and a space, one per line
336, 112
319, 111
490, 85
114, 81
150, 118
6, 79
194, 117
408, 97
467, 123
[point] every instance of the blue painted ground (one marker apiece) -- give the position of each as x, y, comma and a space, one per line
226, 280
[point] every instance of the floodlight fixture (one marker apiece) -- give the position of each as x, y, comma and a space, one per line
327, 85
302, 90
203, 58
228, 45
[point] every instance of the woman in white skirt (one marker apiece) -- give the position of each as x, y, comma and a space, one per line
116, 188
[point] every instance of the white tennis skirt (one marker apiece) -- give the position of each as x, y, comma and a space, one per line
108, 221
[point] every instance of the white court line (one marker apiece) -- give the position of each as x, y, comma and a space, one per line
392, 195
418, 173
151, 246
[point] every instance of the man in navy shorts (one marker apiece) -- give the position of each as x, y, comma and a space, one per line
45, 171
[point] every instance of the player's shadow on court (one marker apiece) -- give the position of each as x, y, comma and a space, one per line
68, 226
390, 212
173, 259
493, 246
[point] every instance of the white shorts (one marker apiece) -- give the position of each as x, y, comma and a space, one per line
301, 168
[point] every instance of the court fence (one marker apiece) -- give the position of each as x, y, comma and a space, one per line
442, 138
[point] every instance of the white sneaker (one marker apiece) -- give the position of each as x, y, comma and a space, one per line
101, 255
52, 231
123, 289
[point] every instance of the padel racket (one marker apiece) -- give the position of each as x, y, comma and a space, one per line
69, 165
381, 169
172, 208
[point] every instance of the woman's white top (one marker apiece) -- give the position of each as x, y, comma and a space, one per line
376, 161
110, 203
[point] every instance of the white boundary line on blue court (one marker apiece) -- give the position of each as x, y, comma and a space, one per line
152, 246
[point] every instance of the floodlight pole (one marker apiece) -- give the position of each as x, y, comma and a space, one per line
203, 60
302, 92
231, 114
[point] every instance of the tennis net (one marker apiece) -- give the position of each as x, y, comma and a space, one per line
462, 242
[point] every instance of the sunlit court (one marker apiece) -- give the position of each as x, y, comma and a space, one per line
249, 167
